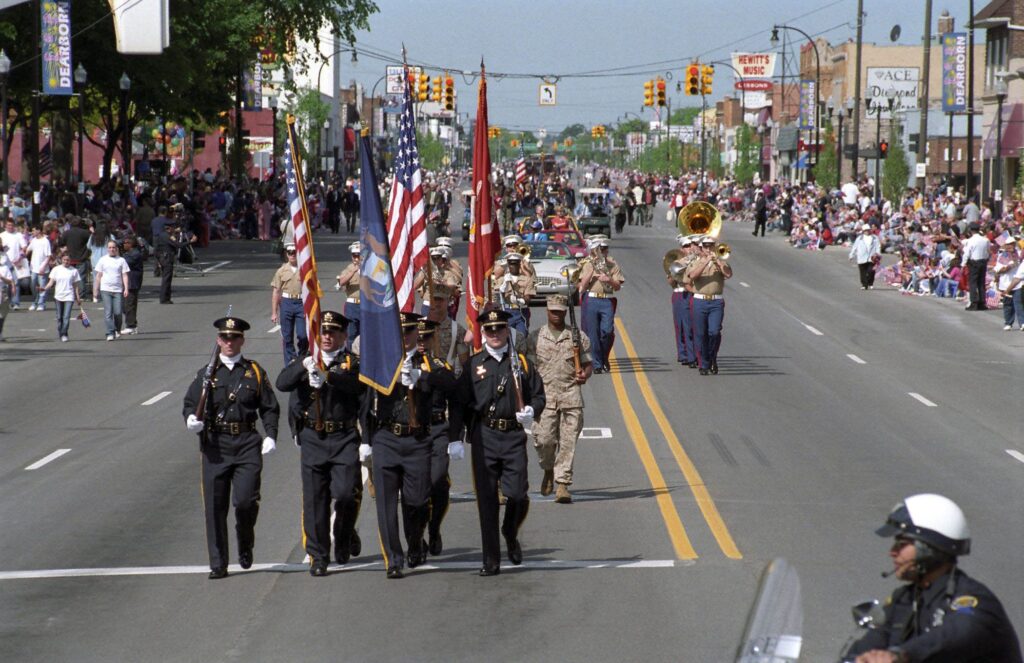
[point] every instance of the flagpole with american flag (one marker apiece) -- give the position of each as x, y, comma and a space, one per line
484, 240
520, 170
299, 215
406, 222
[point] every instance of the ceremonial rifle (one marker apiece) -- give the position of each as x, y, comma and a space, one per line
577, 342
211, 368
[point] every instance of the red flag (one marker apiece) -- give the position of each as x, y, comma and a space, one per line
484, 234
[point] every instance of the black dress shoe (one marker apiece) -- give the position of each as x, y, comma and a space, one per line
356, 546
245, 559
342, 554
714, 367
704, 371
436, 545
515, 551
218, 573
417, 555
318, 569
395, 573
488, 570
692, 364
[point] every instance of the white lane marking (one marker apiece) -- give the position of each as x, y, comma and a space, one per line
595, 433
1016, 454
921, 398
812, 330
43, 461
162, 394
275, 328
216, 266
744, 284
856, 359
33, 330
540, 565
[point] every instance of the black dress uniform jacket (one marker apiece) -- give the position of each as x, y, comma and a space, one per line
955, 620
231, 450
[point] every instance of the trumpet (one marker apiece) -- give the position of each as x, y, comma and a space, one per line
723, 250
524, 250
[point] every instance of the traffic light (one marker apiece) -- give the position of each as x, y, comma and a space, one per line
554, 146
661, 91
568, 142
435, 89
708, 76
449, 93
597, 131
513, 143
421, 90
693, 80
883, 149
222, 142
198, 140
648, 93
494, 132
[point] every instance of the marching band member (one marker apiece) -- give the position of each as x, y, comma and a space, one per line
708, 273
682, 297
513, 289
348, 280
600, 279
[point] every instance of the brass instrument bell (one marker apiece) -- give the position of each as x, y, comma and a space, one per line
700, 218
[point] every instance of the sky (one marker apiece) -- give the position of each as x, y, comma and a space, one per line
643, 39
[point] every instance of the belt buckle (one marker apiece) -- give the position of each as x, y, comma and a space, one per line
396, 429
234, 428
329, 427
502, 425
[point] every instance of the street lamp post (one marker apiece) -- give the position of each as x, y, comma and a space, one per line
80, 78
126, 84
327, 144
817, 77
5, 71
273, 136
840, 113
1001, 89
878, 106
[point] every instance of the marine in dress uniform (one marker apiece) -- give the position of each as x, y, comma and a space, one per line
682, 300
449, 341
550, 349
513, 290
941, 615
401, 446
348, 280
286, 306
325, 411
231, 449
708, 273
443, 446
511, 244
600, 278
442, 274
494, 428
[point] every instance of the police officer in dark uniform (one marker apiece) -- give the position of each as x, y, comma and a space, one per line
167, 244
491, 386
224, 417
941, 614
400, 444
325, 412
444, 447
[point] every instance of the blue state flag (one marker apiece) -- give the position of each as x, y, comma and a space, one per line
380, 332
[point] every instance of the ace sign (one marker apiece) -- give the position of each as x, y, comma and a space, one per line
899, 83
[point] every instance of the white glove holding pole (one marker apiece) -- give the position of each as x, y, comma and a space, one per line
193, 424
309, 364
316, 380
456, 450
269, 446
411, 377
365, 451
525, 416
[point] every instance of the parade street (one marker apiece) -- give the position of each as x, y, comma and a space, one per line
832, 403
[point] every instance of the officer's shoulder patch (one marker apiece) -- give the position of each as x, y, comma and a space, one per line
965, 603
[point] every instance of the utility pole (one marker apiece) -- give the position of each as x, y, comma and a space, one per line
856, 88
922, 132
970, 101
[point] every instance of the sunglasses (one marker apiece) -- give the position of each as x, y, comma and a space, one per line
291, 253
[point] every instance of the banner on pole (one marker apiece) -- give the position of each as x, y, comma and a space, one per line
808, 104
55, 19
954, 72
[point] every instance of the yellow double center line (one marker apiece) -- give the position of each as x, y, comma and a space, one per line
676, 531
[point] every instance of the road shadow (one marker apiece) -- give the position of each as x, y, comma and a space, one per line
637, 365
748, 366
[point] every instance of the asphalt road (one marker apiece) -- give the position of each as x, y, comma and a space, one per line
686, 486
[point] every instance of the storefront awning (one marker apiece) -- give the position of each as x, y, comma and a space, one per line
1013, 133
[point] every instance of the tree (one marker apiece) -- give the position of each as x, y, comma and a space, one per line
685, 115
747, 155
572, 131
896, 171
826, 170
431, 151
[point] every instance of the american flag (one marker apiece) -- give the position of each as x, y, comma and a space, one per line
303, 241
407, 225
521, 168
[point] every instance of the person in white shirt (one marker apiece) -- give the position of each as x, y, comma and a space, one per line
14, 245
1010, 285
866, 248
39, 254
6, 281
64, 279
111, 282
976, 250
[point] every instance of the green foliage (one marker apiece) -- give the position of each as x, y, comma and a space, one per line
431, 151
826, 171
896, 170
747, 155
572, 131
685, 115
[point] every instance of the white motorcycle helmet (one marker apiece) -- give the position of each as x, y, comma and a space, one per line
931, 519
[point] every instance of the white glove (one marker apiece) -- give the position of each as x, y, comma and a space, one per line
268, 446
309, 364
456, 450
316, 379
519, 301
411, 377
337, 286
509, 277
193, 424
525, 416
295, 441
365, 451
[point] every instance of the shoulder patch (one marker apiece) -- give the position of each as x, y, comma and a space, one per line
522, 360
965, 604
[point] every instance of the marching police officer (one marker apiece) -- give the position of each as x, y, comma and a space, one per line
326, 410
941, 614
400, 444
444, 446
600, 278
708, 273
222, 409
500, 394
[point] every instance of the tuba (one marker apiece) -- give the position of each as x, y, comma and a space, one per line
700, 218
